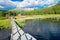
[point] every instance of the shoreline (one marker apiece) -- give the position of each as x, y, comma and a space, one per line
38, 16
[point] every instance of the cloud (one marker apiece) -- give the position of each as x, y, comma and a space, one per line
6, 5
36, 4
17, 0
1, 7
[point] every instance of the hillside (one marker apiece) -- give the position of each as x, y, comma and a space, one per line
51, 10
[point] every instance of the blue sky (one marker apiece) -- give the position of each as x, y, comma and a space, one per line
34, 4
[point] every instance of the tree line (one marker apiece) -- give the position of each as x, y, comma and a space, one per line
51, 10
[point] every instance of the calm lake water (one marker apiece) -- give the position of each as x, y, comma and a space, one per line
5, 34
45, 29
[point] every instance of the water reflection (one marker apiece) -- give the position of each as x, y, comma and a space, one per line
47, 29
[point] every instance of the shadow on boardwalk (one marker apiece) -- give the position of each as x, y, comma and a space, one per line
18, 33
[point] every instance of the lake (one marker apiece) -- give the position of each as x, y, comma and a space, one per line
5, 34
43, 29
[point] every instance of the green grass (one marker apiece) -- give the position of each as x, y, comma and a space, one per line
5, 24
20, 23
50, 10
42, 16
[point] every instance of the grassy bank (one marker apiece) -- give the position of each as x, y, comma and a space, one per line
44, 16
20, 20
5, 24
20, 23
38, 16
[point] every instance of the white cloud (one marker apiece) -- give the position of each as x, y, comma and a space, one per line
34, 2
26, 3
1, 7
1, 0
6, 4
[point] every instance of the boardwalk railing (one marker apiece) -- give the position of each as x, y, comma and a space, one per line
18, 33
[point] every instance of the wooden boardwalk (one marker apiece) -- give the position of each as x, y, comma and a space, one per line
18, 33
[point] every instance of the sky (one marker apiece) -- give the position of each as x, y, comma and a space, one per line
34, 4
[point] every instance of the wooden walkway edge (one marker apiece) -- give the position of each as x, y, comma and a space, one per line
18, 33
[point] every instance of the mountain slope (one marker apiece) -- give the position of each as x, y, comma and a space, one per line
51, 10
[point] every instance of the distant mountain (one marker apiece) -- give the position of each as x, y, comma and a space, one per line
50, 10
22, 9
